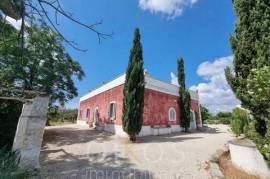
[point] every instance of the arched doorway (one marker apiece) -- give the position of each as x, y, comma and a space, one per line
96, 117
192, 120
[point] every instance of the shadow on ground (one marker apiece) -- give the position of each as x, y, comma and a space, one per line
95, 165
210, 130
70, 136
56, 162
166, 138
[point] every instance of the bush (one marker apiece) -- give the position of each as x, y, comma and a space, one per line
205, 114
225, 121
262, 143
9, 165
57, 116
10, 112
240, 120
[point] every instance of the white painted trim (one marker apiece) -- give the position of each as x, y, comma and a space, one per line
194, 120
200, 114
109, 110
81, 122
169, 111
145, 131
112, 84
150, 83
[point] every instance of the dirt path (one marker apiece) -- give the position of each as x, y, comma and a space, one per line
76, 151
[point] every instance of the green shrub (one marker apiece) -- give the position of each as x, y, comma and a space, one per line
215, 120
205, 114
224, 120
9, 165
58, 116
262, 143
240, 120
10, 112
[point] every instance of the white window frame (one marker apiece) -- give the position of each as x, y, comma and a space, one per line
169, 112
109, 110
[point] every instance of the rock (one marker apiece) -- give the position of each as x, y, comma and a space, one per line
215, 171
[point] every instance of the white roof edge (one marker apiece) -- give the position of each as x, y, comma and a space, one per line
112, 84
151, 83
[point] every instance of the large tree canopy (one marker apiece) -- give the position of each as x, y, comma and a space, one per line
42, 66
250, 44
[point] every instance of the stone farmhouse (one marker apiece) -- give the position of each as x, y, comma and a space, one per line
102, 108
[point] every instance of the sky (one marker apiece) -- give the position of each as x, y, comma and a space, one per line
197, 30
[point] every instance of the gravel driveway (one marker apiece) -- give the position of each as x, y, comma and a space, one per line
78, 152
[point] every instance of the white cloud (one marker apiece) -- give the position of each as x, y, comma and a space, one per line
14, 23
170, 8
215, 92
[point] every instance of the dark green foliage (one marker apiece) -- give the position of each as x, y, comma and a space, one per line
181, 74
240, 121
184, 96
58, 116
133, 101
185, 110
9, 114
43, 65
206, 115
224, 114
12, 8
9, 166
219, 118
262, 143
250, 43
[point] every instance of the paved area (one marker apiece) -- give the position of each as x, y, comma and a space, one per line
78, 152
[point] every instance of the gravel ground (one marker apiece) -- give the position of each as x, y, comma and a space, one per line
74, 151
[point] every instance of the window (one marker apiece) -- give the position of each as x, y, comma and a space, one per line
172, 114
112, 110
88, 113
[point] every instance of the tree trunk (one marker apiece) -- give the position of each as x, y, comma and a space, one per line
132, 137
29, 133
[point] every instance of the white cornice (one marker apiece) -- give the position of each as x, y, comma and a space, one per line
150, 83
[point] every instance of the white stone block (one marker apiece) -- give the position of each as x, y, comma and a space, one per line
29, 133
248, 158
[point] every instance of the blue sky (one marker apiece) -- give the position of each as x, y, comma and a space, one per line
197, 30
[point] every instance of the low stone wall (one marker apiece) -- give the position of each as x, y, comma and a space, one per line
145, 131
247, 157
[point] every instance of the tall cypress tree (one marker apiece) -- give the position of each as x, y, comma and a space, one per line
133, 102
250, 46
184, 96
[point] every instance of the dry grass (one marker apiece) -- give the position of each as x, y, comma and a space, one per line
230, 171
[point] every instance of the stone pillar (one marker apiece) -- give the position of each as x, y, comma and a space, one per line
29, 133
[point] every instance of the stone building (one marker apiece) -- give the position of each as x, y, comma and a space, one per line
102, 108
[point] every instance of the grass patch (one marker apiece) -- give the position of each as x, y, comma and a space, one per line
9, 165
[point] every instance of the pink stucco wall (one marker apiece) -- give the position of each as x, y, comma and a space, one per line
156, 108
102, 101
157, 105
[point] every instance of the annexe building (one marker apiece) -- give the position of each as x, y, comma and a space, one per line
102, 108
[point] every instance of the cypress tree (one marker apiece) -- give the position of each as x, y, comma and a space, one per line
133, 102
250, 46
184, 96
